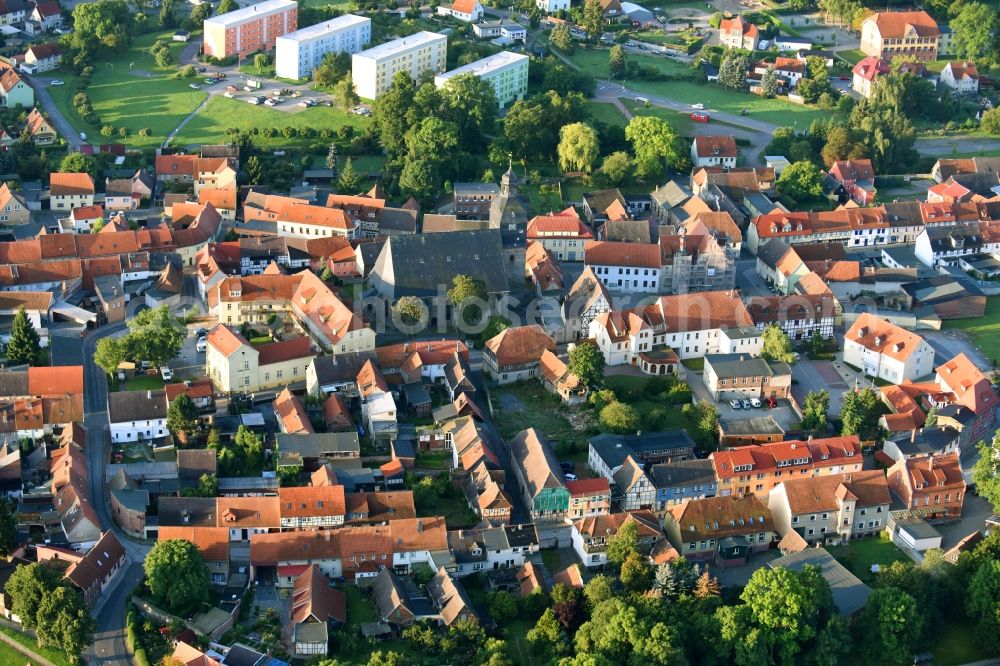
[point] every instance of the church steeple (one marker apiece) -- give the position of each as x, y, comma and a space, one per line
508, 182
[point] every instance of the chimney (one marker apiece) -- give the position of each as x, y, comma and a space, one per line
420, 526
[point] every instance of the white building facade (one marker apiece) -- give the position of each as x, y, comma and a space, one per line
373, 70
506, 71
299, 52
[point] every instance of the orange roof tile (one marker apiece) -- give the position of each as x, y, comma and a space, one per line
70, 183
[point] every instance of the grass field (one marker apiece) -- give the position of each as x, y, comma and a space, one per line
55, 656
144, 383
985, 330
595, 61
606, 113
957, 644
630, 390
860, 555
853, 56
210, 124
123, 96
528, 405
517, 643
9, 655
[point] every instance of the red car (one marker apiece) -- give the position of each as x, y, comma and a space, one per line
700, 117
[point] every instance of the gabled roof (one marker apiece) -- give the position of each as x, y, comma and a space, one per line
968, 383
226, 340
719, 517
71, 183
314, 599
897, 25
822, 493
292, 413
520, 345
884, 337
533, 455
715, 146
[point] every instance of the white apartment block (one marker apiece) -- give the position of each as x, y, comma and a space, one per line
507, 71
250, 29
552, 6
299, 52
373, 70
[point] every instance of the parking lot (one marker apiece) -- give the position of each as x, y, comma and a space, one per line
782, 413
294, 98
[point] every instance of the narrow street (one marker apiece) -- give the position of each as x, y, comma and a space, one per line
66, 131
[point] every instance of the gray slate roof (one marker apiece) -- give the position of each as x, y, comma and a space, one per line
771, 252
744, 365
849, 594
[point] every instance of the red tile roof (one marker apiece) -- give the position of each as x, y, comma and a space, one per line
285, 350
70, 183
896, 25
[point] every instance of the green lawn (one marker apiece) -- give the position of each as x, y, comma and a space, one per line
606, 113
455, 509
853, 56
542, 202
694, 364
529, 405
985, 330
958, 644
860, 555
55, 656
631, 390
268, 73
124, 96
9, 655
517, 643
435, 460
210, 124
143, 383
595, 61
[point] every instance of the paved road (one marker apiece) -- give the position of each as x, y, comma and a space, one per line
943, 147
67, 131
109, 640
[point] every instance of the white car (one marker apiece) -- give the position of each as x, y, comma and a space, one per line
270, 102
166, 373
735, 404
228, 94
253, 100
57, 82
305, 104
201, 345
194, 86
755, 403
699, 106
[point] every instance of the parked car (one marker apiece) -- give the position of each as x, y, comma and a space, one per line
746, 404
304, 104
209, 81
194, 86
201, 345
201, 332
272, 101
248, 88
735, 404
229, 94
253, 100
166, 373
220, 75
57, 82
755, 403
698, 107
570, 477
700, 117
202, 70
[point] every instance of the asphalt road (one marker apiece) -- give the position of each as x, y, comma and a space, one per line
66, 131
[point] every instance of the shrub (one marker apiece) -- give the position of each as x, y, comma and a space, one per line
145, 131
107, 130
123, 132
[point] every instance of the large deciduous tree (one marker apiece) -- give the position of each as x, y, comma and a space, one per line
802, 181
986, 472
64, 622
776, 345
859, 414
578, 146
655, 144
177, 576
815, 409
182, 417
974, 30
587, 363
894, 624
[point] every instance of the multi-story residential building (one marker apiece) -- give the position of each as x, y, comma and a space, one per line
946, 244
973, 390
857, 178
591, 535
234, 365
865, 73
70, 190
15, 91
607, 453
43, 57
491, 548
252, 28
373, 70
932, 485
632, 489
586, 299
93, 572
722, 530
137, 415
853, 227
882, 349
514, 353
962, 77
311, 507
714, 151
539, 476
800, 316
677, 482
474, 200
738, 33
552, 6
625, 267
378, 407
698, 259
308, 221
828, 510
588, 497
563, 234
888, 34
298, 53
755, 470
689, 326
13, 206
739, 376
506, 71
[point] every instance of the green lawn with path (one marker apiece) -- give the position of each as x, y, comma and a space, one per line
55, 656
606, 112
853, 56
595, 61
985, 330
132, 91
9, 655
210, 124
860, 555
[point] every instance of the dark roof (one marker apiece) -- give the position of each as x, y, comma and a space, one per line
771, 252
420, 264
686, 472
186, 511
613, 449
137, 406
849, 594
927, 440
192, 463
241, 655
341, 367
398, 219
627, 231
755, 425
940, 289
744, 365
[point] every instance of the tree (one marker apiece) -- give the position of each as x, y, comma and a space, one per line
167, 17
8, 526
802, 181
814, 411
617, 63
331, 159
63, 621
769, 82
635, 573
702, 421
344, 95
593, 18
776, 345
350, 181
893, 622
255, 170
466, 294
620, 417
393, 114
27, 587
624, 543
155, 336
665, 582
973, 32
333, 68
109, 354
470, 103
986, 471
598, 589
707, 586
502, 605
177, 576
859, 414
76, 163
587, 363
655, 145
616, 168
990, 121
561, 38
182, 417
578, 147
411, 310
25, 346
546, 638
733, 69
260, 62
226, 6
983, 602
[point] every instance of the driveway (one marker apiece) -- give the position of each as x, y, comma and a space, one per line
810, 376
975, 511
40, 85
782, 414
949, 343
